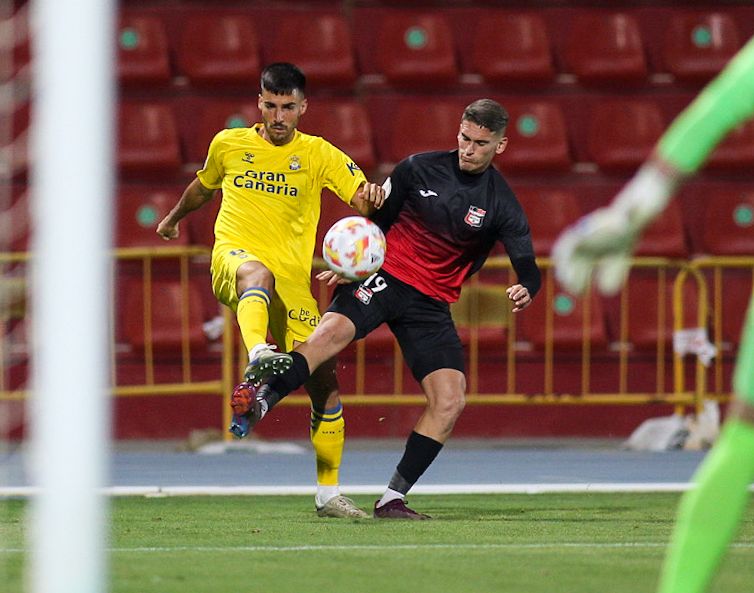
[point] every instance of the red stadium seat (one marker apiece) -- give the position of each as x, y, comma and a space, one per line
147, 139
736, 152
621, 133
728, 227
416, 49
15, 51
214, 116
15, 220
142, 50
649, 308
538, 140
698, 45
139, 209
445, 118
549, 211
174, 309
605, 48
666, 236
568, 320
219, 49
512, 47
319, 44
345, 124
342, 122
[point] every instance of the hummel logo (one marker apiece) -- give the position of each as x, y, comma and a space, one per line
425, 193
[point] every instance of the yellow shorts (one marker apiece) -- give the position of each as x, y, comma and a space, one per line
293, 310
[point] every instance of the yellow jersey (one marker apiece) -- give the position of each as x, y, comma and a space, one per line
272, 194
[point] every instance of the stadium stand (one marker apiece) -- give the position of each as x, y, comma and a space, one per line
537, 138
649, 310
209, 116
318, 43
344, 123
15, 219
574, 320
549, 210
139, 209
728, 217
588, 89
735, 153
697, 45
622, 132
148, 142
605, 48
142, 50
169, 301
413, 48
219, 49
512, 47
666, 236
414, 124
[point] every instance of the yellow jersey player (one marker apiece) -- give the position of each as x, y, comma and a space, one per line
271, 176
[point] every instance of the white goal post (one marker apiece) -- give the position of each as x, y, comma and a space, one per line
72, 187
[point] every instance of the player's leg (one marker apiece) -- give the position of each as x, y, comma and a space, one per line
433, 351
328, 435
347, 318
294, 320
709, 515
247, 286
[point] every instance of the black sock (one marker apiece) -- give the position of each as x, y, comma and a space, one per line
419, 454
281, 385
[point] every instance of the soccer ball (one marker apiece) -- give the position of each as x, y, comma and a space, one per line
354, 247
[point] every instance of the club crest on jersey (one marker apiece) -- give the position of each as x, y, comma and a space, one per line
248, 158
363, 293
295, 163
474, 217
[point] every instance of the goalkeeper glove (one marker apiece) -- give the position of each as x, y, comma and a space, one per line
602, 242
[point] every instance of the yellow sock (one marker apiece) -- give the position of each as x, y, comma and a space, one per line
328, 436
253, 316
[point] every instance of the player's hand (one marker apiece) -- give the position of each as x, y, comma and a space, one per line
167, 230
601, 243
372, 194
520, 296
332, 278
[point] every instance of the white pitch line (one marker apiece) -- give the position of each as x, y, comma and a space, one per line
371, 547
157, 491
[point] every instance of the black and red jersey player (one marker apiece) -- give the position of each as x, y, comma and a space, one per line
443, 214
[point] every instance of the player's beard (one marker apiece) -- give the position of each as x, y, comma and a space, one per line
280, 133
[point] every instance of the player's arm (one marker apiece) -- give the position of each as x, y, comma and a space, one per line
529, 282
194, 197
368, 198
603, 241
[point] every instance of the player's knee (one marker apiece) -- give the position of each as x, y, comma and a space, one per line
332, 334
254, 274
451, 405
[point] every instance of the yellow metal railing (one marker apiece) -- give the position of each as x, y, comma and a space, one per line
145, 258
475, 312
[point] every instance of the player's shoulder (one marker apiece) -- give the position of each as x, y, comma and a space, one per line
310, 140
435, 157
230, 136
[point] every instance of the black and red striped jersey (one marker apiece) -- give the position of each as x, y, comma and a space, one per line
441, 224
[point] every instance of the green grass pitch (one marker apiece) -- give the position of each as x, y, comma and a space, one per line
542, 543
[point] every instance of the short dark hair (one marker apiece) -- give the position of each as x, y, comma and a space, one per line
488, 114
282, 78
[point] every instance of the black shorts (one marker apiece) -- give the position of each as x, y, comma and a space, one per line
422, 325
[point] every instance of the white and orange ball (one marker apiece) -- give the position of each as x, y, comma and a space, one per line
354, 247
